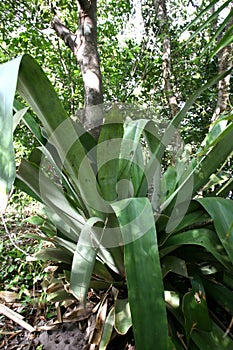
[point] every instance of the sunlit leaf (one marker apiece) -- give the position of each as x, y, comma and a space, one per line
107, 331
8, 82
52, 196
123, 320
54, 254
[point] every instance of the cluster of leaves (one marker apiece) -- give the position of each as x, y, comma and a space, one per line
108, 233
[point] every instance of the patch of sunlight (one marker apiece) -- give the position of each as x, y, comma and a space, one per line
172, 298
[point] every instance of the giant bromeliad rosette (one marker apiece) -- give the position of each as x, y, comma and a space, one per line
123, 218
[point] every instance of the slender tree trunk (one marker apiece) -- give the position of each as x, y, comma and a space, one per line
224, 63
83, 43
161, 10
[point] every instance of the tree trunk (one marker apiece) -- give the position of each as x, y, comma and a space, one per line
83, 43
161, 11
224, 63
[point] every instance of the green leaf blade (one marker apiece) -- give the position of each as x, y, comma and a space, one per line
221, 211
83, 262
108, 150
8, 82
123, 320
143, 271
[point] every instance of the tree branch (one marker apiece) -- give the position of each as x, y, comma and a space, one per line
69, 38
84, 4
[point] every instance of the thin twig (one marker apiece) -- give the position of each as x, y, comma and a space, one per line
180, 336
16, 317
10, 236
228, 329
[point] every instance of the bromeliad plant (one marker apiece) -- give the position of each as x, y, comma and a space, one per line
121, 220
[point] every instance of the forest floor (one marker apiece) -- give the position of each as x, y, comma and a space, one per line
27, 320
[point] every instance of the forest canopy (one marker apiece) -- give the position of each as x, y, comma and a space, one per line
145, 53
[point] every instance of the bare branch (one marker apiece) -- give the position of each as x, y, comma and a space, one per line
69, 38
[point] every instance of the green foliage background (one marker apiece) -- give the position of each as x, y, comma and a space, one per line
131, 68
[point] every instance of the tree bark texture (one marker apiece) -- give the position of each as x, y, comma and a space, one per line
224, 63
83, 44
161, 11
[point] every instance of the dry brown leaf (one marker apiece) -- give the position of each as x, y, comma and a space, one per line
99, 325
8, 297
78, 313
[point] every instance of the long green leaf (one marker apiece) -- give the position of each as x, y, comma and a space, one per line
181, 114
169, 133
32, 82
108, 149
220, 294
107, 331
195, 309
173, 264
192, 218
143, 273
22, 186
83, 261
52, 196
8, 82
221, 211
213, 159
197, 175
18, 116
227, 39
201, 237
130, 159
214, 340
54, 254
224, 190
123, 320
31, 123
217, 34
209, 19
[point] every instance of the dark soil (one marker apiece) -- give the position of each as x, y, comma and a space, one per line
48, 335
63, 336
